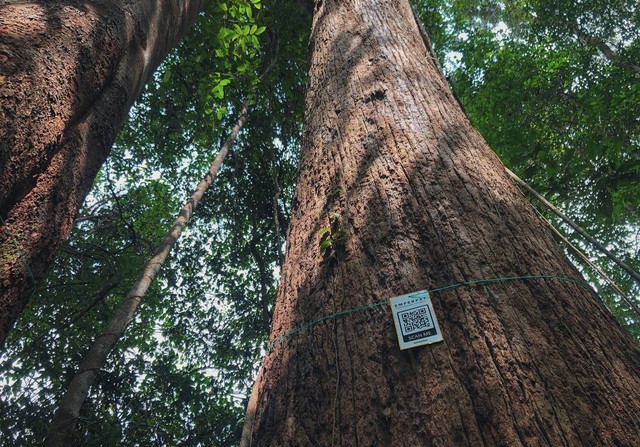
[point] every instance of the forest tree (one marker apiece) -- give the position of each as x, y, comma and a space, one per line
412, 198
69, 72
397, 193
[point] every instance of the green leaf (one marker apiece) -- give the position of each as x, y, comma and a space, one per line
224, 32
325, 244
339, 236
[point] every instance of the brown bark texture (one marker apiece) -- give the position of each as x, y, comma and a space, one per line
69, 72
422, 202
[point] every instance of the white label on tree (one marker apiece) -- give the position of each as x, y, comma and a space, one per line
415, 320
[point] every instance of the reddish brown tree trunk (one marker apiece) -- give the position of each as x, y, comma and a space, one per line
424, 203
69, 72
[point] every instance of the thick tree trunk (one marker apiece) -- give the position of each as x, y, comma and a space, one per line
424, 203
69, 72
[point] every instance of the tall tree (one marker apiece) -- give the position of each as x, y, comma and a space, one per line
410, 197
63, 422
70, 70
205, 314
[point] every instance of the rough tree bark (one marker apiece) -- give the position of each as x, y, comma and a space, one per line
69, 72
424, 203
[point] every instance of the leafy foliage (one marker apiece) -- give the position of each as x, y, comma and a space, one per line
558, 109
180, 374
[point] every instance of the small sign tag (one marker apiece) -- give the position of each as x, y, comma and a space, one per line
415, 320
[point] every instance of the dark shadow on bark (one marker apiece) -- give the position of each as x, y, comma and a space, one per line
61, 116
51, 89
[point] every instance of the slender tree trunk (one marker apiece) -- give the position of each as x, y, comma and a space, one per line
425, 203
609, 53
64, 420
69, 72
578, 229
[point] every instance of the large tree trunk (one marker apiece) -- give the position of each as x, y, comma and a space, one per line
69, 72
424, 203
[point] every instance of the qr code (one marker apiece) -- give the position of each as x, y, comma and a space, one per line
416, 320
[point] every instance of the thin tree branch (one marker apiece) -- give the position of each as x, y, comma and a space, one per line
99, 296
591, 264
576, 227
64, 419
